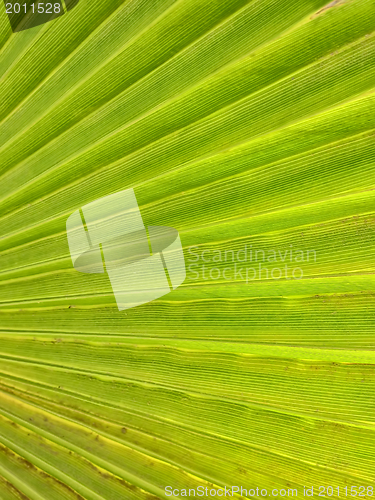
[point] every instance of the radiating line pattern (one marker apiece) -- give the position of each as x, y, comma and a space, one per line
247, 125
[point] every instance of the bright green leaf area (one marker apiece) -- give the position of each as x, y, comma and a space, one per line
248, 126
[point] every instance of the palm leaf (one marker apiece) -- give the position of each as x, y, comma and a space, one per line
239, 123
